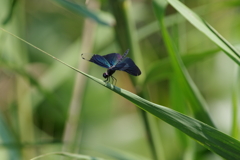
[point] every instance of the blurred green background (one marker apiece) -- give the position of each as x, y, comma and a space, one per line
47, 107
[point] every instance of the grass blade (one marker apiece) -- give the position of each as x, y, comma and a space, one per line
206, 29
198, 104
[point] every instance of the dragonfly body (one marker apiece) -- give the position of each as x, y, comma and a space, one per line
108, 74
115, 61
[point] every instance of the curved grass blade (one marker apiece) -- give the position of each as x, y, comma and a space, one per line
207, 29
198, 104
70, 155
100, 17
207, 136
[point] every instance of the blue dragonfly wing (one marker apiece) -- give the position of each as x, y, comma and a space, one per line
113, 58
128, 66
100, 60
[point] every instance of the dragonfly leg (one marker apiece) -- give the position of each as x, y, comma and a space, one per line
106, 80
113, 78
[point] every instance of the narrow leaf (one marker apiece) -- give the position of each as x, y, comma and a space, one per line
207, 136
198, 104
206, 29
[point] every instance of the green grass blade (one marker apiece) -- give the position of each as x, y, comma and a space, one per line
206, 29
209, 137
192, 93
69, 155
206, 135
99, 17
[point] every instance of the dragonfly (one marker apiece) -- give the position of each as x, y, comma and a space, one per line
113, 62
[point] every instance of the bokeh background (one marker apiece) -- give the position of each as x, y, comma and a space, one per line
47, 107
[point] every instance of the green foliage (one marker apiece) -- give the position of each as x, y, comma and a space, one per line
209, 137
186, 81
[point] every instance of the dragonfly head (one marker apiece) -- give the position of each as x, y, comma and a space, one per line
105, 75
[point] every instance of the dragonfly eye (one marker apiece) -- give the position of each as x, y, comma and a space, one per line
105, 75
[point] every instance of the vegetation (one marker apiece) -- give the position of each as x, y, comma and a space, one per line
184, 105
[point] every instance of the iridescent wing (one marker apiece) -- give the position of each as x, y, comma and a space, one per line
106, 61
113, 58
128, 66
100, 60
